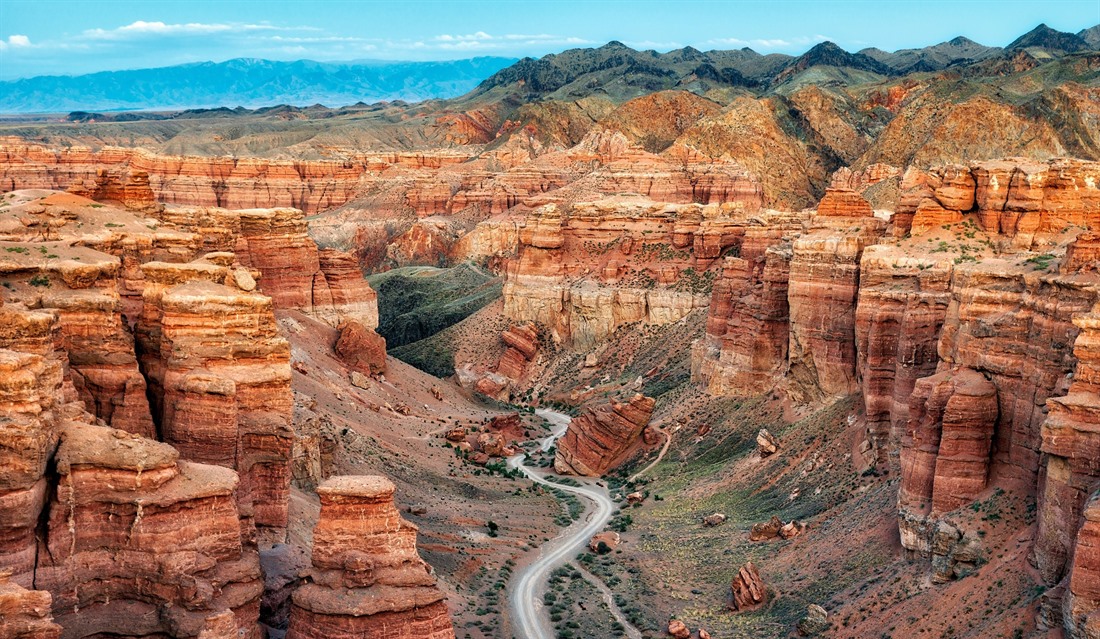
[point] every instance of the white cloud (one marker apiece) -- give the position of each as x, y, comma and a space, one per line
141, 28
481, 41
15, 41
768, 43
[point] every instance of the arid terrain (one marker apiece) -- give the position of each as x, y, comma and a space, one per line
784, 345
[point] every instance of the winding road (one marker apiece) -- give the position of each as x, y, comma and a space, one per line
525, 599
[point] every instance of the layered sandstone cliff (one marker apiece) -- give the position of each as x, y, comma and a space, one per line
221, 374
367, 578
129, 175
822, 293
1015, 197
141, 543
599, 438
586, 271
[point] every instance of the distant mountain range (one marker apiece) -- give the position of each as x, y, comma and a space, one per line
619, 72
249, 83
614, 71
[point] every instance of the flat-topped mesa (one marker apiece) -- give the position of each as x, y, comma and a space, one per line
25, 614
141, 544
222, 370
81, 285
822, 292
1015, 197
601, 437
584, 272
1071, 443
744, 351
368, 579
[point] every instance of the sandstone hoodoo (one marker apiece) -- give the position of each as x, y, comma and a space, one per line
367, 577
600, 437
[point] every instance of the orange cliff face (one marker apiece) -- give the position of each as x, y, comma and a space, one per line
970, 342
143, 537
130, 531
129, 176
367, 577
1015, 198
584, 271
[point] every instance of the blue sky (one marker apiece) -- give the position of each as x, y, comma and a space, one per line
79, 36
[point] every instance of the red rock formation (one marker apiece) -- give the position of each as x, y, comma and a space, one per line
822, 292
352, 296
945, 454
903, 302
748, 589
597, 440
237, 183
214, 356
586, 272
132, 190
368, 579
678, 630
1082, 603
1012, 197
522, 345
843, 202
361, 348
25, 614
141, 544
30, 386
744, 351
1082, 254
1071, 443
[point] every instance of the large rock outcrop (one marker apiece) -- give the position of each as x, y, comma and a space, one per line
598, 439
368, 579
903, 302
822, 293
141, 543
744, 351
1071, 445
221, 371
585, 271
1013, 197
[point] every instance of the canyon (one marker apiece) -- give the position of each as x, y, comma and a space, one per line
865, 306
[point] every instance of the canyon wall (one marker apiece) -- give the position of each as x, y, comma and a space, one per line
967, 324
113, 333
129, 176
584, 272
